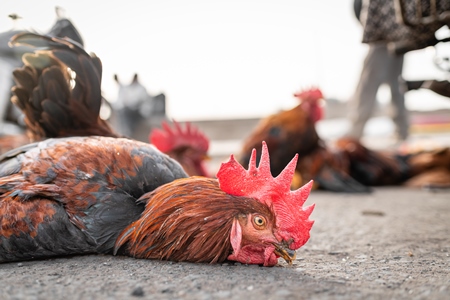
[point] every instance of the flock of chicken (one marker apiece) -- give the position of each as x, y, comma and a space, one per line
345, 165
79, 187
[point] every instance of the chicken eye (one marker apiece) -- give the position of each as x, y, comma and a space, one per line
259, 221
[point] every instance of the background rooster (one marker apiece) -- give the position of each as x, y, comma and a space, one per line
113, 195
188, 145
293, 131
287, 133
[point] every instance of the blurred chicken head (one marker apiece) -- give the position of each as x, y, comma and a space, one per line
310, 102
188, 145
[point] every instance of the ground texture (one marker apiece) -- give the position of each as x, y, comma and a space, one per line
391, 244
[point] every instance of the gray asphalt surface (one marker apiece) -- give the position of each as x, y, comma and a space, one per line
391, 244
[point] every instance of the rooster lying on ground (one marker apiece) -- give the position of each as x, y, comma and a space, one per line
111, 195
188, 145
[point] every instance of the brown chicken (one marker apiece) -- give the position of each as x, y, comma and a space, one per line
373, 168
188, 145
429, 169
58, 89
118, 196
293, 131
286, 133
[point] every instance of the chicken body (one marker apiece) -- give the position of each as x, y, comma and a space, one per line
373, 168
286, 134
111, 195
75, 195
293, 131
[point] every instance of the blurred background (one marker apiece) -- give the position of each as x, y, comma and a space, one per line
225, 59
226, 65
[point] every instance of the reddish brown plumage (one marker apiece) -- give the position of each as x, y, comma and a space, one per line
373, 168
314, 164
430, 168
286, 134
25, 216
188, 220
345, 165
87, 195
293, 131
75, 195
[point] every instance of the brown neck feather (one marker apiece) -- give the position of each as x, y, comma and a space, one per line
186, 220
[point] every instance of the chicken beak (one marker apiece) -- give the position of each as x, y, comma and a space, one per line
284, 252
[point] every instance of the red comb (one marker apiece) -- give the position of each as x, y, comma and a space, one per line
168, 138
258, 182
309, 101
309, 94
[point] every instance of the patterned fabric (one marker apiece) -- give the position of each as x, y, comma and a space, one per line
381, 24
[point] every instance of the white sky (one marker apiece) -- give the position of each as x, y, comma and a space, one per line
223, 59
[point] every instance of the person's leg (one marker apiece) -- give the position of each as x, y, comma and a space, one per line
364, 99
400, 113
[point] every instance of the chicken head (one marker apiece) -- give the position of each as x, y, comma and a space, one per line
292, 219
253, 234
